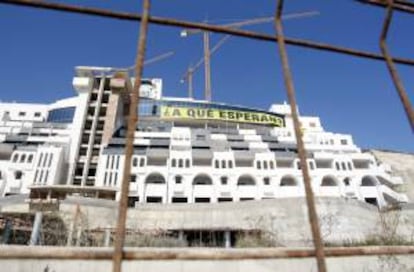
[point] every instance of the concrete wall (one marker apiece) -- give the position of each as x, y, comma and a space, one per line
400, 263
341, 220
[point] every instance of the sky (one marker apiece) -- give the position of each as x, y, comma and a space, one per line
40, 48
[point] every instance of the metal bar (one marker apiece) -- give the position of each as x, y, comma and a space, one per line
203, 26
404, 2
101, 253
146, 62
281, 40
398, 5
190, 83
262, 20
207, 66
37, 225
405, 100
188, 76
207, 71
212, 51
290, 89
132, 123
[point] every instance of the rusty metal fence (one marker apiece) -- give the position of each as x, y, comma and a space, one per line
119, 253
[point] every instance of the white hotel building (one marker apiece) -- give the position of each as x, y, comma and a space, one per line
184, 150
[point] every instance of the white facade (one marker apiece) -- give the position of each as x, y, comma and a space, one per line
23, 112
351, 175
76, 145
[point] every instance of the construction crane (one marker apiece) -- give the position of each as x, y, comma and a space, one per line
154, 59
129, 68
188, 76
158, 58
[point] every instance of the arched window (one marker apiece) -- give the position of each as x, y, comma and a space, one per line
343, 166
223, 164
180, 163
288, 181
271, 165
30, 158
216, 164
246, 180
187, 163
349, 165
173, 163
155, 178
368, 181
202, 179
266, 181
15, 157
258, 165
328, 181
134, 162
18, 174
23, 158
178, 179
265, 165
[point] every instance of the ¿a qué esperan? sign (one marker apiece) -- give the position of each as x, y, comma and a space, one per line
193, 113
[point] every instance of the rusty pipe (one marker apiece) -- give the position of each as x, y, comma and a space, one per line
402, 94
202, 26
129, 145
11, 252
290, 89
397, 5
